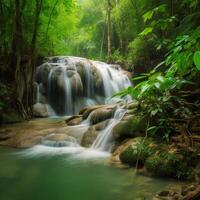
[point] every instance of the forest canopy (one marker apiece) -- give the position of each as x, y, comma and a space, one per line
137, 34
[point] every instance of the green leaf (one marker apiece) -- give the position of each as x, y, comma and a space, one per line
148, 15
138, 78
196, 59
146, 31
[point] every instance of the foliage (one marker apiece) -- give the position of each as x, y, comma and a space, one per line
169, 164
138, 151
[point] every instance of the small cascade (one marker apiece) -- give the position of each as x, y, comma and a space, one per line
37, 93
89, 81
104, 140
68, 93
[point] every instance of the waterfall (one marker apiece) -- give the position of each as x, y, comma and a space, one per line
68, 93
37, 93
89, 81
104, 139
71, 83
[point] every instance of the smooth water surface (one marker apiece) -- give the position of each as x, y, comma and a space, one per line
69, 177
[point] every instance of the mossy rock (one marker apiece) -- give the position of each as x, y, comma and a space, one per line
130, 126
168, 164
11, 117
139, 150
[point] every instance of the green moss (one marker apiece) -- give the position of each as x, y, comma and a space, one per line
167, 164
132, 127
11, 117
138, 150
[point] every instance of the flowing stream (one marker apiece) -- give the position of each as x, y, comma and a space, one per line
105, 138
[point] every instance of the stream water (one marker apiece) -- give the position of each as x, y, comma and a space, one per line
24, 176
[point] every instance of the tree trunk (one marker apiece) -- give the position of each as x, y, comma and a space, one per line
32, 60
16, 57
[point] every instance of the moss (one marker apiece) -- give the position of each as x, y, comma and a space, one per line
139, 150
167, 164
11, 117
131, 127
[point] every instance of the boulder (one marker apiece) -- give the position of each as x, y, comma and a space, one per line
89, 136
42, 73
40, 110
77, 86
130, 126
101, 114
102, 125
74, 120
166, 163
86, 111
56, 137
138, 151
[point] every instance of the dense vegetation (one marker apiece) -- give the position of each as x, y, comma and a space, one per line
157, 41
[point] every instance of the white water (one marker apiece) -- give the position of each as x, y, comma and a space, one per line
105, 138
113, 80
85, 83
37, 93
68, 93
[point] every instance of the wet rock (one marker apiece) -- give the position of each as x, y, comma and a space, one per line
101, 114
40, 110
89, 136
77, 86
43, 73
102, 125
86, 111
130, 126
75, 120
57, 137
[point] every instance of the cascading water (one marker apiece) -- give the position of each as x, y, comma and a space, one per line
105, 137
68, 93
37, 93
71, 83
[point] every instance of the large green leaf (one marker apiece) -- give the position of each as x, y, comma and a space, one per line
196, 59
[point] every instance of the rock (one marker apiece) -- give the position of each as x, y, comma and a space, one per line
56, 137
77, 86
121, 148
101, 114
74, 120
133, 105
89, 136
43, 73
138, 151
101, 125
130, 126
86, 111
166, 163
40, 110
